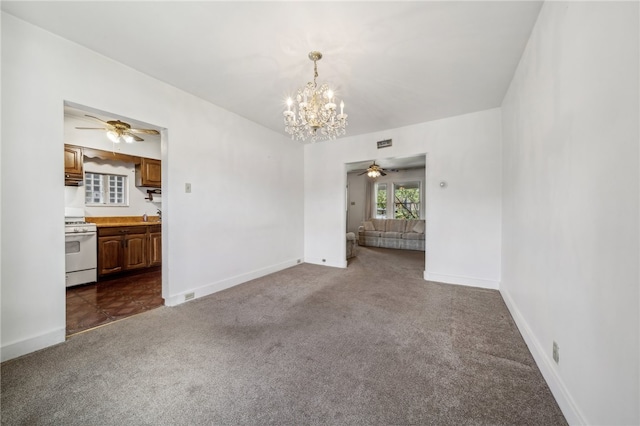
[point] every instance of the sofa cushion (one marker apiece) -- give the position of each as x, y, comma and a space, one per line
395, 225
368, 226
379, 224
372, 233
413, 236
411, 223
396, 235
419, 227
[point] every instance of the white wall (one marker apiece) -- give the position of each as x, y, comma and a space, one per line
570, 243
463, 220
356, 203
247, 182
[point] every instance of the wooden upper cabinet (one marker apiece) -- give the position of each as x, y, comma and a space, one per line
72, 165
149, 173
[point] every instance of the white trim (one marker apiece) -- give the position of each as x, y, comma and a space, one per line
328, 262
32, 344
459, 280
566, 403
227, 283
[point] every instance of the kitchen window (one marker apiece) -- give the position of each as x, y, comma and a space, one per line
105, 190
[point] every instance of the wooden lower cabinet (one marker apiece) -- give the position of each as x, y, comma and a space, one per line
155, 245
128, 248
135, 252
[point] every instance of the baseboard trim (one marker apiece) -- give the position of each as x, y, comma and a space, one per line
26, 346
458, 280
326, 262
217, 286
560, 392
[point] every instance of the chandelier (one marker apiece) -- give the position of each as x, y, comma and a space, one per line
316, 111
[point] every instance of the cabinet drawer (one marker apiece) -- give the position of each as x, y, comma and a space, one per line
122, 230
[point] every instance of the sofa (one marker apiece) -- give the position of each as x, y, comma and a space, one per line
403, 234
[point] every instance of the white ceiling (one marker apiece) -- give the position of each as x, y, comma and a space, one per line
393, 63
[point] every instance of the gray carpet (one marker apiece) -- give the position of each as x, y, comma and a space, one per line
373, 344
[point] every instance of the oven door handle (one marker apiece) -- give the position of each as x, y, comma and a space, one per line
79, 234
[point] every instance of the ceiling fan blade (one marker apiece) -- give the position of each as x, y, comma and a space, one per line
135, 138
96, 118
91, 128
145, 131
360, 174
382, 173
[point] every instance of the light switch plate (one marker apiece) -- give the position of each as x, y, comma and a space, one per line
187, 188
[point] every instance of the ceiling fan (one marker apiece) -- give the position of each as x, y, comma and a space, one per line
373, 171
118, 131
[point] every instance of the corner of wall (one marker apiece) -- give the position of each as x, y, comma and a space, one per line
562, 395
205, 290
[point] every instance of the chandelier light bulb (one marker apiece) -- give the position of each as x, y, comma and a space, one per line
127, 138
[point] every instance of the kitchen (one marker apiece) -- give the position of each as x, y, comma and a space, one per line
113, 210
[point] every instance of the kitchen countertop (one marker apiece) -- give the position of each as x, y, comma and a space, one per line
116, 221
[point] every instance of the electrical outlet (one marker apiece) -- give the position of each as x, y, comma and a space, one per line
556, 353
299, 260
324, 260
187, 188
189, 296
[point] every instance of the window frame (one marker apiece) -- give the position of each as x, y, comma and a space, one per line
399, 185
105, 190
376, 206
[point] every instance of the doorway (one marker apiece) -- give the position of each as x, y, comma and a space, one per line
387, 188
115, 184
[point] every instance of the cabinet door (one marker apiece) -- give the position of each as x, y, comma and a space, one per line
155, 249
72, 164
135, 251
150, 172
109, 255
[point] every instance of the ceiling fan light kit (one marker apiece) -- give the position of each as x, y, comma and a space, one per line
314, 113
374, 171
119, 131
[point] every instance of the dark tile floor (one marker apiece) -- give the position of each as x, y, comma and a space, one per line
92, 305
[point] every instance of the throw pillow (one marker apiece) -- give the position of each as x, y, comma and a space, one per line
368, 226
419, 227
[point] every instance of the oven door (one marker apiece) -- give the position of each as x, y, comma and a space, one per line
80, 251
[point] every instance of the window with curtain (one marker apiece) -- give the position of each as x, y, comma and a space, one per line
381, 201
